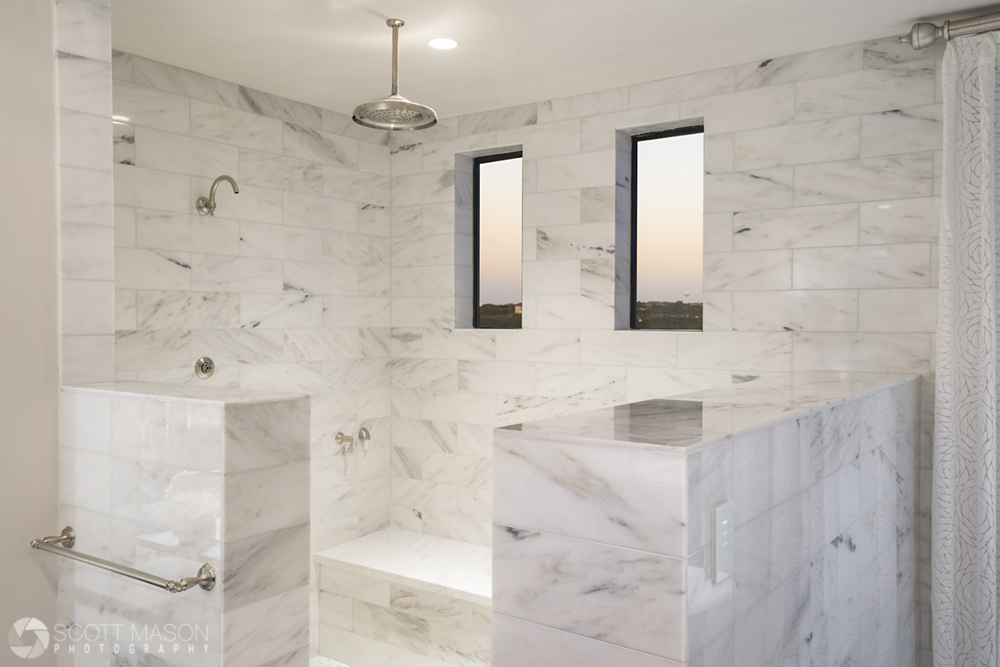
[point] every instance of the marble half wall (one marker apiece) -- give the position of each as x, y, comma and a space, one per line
164, 478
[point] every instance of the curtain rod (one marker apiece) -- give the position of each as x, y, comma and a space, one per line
923, 35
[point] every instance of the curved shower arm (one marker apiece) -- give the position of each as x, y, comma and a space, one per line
206, 206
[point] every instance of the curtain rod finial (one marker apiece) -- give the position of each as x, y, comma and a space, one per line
921, 35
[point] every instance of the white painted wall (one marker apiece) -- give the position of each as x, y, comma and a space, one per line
29, 373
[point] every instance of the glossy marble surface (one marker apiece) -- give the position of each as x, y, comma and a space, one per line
165, 478
453, 568
689, 422
602, 530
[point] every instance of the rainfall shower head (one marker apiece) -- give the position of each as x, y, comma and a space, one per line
395, 112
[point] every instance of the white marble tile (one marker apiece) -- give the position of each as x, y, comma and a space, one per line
574, 311
901, 131
214, 273
85, 196
736, 351
863, 351
87, 358
267, 629
150, 269
796, 310
348, 311
320, 212
580, 106
165, 151
586, 170
800, 67
236, 128
145, 188
373, 189
155, 230
690, 86
434, 564
352, 648
239, 346
264, 565
640, 594
84, 29
745, 110
88, 307
84, 140
280, 242
498, 119
186, 310
747, 191
124, 219
748, 271
862, 92
902, 310
251, 204
802, 227
599, 133
83, 84
280, 311
148, 107
900, 221
282, 173
552, 208
315, 145
523, 644
152, 74
323, 279
125, 309
539, 141
641, 512
296, 377
904, 265
800, 143
139, 350
374, 158
251, 506
867, 179
86, 252
290, 111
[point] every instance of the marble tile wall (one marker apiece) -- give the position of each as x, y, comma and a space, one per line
821, 216
286, 287
602, 549
164, 484
83, 76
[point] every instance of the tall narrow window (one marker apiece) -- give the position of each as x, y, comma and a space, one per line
496, 183
668, 174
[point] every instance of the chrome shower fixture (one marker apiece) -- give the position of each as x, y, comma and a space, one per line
395, 112
206, 205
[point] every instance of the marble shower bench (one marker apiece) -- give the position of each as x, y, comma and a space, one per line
401, 599
605, 544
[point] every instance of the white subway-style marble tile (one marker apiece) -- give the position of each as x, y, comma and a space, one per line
85, 140
799, 143
85, 196
185, 310
186, 233
164, 151
146, 188
308, 143
800, 67
83, 84
87, 252
862, 92
83, 28
898, 310
748, 191
148, 107
280, 242
235, 128
801, 227
902, 131
903, 265
279, 172
900, 221
748, 271
867, 179
581, 106
797, 310
152, 74
215, 273
745, 110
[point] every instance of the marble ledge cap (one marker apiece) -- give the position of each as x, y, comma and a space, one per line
688, 423
184, 393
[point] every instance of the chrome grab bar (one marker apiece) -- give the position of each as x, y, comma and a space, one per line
205, 578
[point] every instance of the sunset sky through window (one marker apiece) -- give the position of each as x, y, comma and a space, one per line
669, 209
500, 231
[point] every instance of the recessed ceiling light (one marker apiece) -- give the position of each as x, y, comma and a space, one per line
442, 43
120, 119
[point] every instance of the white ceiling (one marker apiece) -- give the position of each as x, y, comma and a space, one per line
337, 53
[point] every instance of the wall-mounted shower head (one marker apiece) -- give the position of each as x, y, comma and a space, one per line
395, 112
206, 205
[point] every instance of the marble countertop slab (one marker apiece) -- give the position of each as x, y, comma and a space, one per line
436, 564
690, 422
184, 393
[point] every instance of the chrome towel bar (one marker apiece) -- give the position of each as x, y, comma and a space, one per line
205, 578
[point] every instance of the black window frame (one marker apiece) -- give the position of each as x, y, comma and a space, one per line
634, 232
476, 162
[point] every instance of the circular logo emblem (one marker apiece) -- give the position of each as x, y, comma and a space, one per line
28, 638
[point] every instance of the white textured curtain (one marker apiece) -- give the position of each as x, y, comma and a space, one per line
964, 587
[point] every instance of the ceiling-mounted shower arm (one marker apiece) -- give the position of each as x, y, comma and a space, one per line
395, 24
207, 205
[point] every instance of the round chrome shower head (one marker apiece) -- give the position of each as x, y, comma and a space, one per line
395, 112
